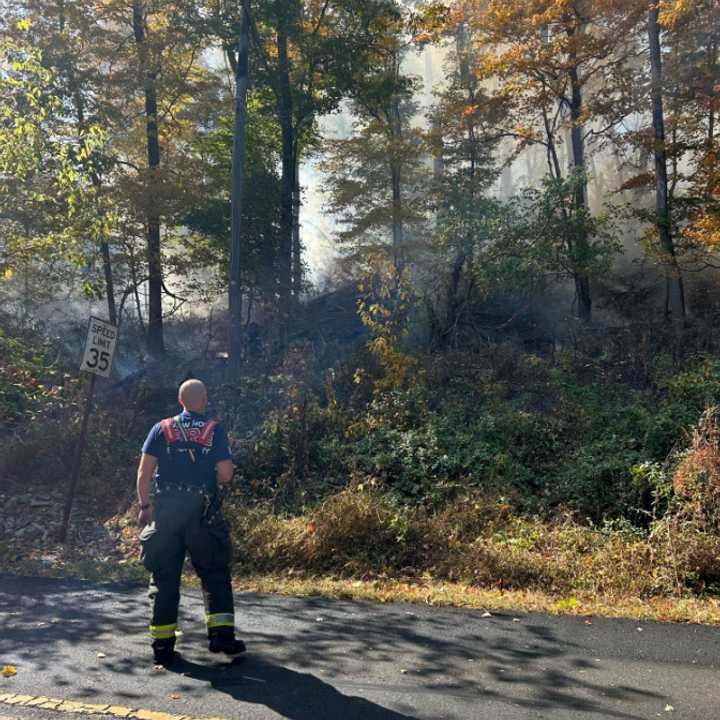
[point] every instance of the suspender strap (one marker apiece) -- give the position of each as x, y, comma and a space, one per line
173, 430
168, 428
207, 433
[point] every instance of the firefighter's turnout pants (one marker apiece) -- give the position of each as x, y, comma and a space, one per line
180, 526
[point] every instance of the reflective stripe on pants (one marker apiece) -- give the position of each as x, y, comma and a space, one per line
163, 632
220, 620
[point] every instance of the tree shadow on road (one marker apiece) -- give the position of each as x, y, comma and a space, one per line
293, 695
88, 638
455, 653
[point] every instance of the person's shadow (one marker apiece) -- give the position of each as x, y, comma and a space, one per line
291, 694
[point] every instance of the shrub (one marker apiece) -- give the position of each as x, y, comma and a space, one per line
357, 529
23, 368
264, 541
478, 540
685, 556
697, 476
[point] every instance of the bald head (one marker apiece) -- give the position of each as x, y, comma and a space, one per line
193, 396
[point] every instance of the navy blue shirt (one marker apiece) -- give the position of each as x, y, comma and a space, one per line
175, 459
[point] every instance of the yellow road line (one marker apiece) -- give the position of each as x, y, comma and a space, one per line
81, 708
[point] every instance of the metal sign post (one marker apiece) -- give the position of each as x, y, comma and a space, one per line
97, 360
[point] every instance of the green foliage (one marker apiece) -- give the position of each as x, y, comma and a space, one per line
386, 302
550, 434
542, 230
23, 367
46, 191
360, 171
210, 214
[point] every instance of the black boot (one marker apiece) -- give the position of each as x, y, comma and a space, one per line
223, 640
164, 652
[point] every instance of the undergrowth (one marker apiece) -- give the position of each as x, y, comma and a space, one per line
482, 543
493, 469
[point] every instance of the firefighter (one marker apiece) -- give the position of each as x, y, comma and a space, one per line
188, 455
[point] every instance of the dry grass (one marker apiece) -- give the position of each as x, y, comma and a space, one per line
477, 543
360, 546
445, 594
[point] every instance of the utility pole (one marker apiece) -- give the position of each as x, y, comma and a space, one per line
238, 181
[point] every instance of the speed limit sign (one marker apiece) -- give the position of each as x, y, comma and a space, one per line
99, 347
97, 359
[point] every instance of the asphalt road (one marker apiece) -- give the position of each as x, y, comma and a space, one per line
314, 659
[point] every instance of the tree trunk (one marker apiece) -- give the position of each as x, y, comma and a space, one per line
285, 112
465, 244
397, 222
581, 246
155, 342
297, 277
398, 230
452, 318
109, 285
712, 73
674, 291
711, 93
133, 277
238, 178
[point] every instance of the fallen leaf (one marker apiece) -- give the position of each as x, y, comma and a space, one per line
486, 614
174, 696
403, 670
516, 619
101, 655
9, 671
669, 708
587, 622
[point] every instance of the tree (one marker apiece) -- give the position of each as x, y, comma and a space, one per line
561, 66
303, 56
674, 295
45, 182
63, 33
134, 69
464, 140
691, 84
148, 71
377, 177
208, 214
377, 184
